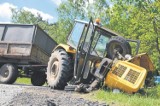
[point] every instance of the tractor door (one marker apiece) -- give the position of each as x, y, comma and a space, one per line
82, 63
81, 39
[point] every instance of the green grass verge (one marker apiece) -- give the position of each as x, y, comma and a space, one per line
23, 81
26, 81
150, 98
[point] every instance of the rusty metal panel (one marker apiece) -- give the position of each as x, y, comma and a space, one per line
22, 49
15, 51
3, 48
144, 61
24, 54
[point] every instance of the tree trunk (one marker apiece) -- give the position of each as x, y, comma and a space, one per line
157, 39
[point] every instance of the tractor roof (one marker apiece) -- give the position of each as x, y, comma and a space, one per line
100, 27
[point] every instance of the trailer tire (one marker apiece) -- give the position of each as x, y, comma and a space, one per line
120, 44
8, 74
38, 78
59, 70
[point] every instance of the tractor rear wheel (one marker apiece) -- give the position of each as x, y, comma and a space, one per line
59, 70
120, 44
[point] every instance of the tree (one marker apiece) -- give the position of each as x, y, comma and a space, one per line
138, 19
78, 9
25, 17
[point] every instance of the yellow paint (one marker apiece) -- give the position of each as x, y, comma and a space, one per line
65, 47
114, 81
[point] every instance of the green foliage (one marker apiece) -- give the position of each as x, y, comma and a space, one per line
138, 19
158, 91
26, 17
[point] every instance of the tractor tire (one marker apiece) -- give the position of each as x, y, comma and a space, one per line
59, 70
8, 74
120, 44
38, 78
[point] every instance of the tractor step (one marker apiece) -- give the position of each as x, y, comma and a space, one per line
70, 87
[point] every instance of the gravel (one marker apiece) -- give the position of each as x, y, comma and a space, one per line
23, 95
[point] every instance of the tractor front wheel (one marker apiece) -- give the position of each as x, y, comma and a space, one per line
59, 70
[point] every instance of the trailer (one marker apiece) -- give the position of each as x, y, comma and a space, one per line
24, 52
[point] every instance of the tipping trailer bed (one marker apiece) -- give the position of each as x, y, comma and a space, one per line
24, 44
24, 52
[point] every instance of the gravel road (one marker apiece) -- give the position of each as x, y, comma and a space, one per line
23, 95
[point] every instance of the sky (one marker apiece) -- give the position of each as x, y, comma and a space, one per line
46, 8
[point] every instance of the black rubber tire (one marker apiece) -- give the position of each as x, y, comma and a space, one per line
61, 62
8, 74
38, 78
120, 44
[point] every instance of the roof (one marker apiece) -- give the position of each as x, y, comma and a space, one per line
101, 27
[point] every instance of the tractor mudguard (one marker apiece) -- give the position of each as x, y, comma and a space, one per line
67, 48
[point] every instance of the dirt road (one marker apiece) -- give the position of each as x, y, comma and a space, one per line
23, 95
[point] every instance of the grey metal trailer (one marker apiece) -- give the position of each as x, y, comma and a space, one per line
24, 52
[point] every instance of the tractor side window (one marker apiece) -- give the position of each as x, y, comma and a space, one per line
101, 45
86, 41
75, 35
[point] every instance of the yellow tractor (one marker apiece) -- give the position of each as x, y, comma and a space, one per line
94, 54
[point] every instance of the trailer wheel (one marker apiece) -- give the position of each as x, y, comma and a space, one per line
38, 78
120, 44
8, 74
59, 70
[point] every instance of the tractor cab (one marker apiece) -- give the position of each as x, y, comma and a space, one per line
90, 41
86, 34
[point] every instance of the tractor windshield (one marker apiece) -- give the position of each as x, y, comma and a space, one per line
75, 35
100, 47
99, 43
100, 39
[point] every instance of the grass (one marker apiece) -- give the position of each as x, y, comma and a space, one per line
23, 81
150, 98
26, 81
